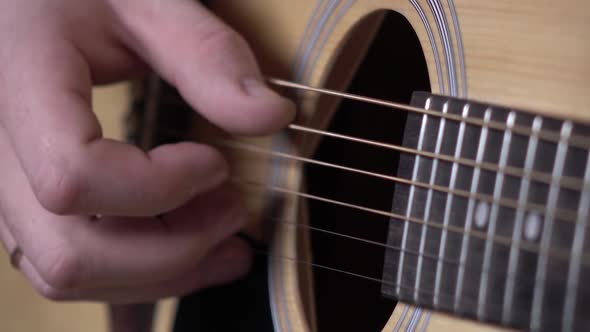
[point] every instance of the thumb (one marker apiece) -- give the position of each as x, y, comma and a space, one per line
211, 65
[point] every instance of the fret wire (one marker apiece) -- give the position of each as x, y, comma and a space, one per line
518, 224
567, 215
577, 249
470, 208
548, 228
411, 198
559, 253
564, 181
493, 217
548, 135
449, 202
427, 208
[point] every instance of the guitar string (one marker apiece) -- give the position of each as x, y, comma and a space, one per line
434, 258
465, 301
546, 135
556, 252
577, 141
284, 83
565, 214
567, 182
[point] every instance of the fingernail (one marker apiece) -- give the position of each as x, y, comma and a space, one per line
255, 87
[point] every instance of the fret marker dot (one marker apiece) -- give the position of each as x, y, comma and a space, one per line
532, 227
481, 214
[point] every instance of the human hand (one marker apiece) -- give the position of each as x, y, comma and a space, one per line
56, 169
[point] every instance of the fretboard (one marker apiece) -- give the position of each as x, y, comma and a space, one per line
495, 227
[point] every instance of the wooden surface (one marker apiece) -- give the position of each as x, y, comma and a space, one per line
22, 309
404, 314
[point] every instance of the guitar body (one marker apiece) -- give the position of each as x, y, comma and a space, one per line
527, 55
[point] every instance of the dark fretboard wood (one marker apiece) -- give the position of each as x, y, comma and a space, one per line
516, 252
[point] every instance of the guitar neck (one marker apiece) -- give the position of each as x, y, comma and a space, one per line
494, 226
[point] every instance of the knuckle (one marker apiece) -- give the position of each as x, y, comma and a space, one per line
221, 39
56, 188
63, 271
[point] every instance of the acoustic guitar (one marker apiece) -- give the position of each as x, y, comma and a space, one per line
437, 177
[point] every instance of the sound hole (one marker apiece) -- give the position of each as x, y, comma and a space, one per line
393, 68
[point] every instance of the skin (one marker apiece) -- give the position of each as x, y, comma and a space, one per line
56, 169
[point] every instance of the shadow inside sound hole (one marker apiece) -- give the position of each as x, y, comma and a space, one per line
393, 69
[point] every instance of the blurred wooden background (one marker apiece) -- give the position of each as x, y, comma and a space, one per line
21, 308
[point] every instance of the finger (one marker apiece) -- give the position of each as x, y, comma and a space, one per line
71, 252
71, 167
211, 65
155, 250
224, 264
